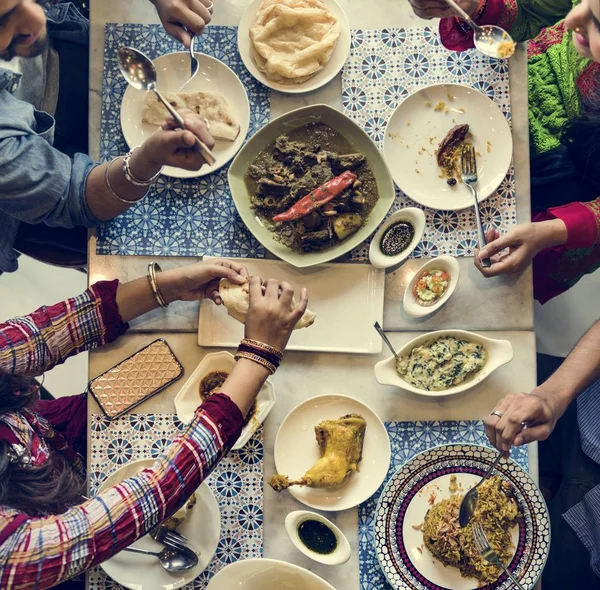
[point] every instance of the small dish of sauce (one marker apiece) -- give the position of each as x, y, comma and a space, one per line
212, 382
397, 238
317, 536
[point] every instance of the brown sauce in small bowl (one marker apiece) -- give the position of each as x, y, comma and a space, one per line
212, 382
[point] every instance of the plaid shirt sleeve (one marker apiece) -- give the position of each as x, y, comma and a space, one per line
42, 552
35, 343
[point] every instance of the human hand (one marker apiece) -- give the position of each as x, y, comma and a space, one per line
271, 318
200, 280
182, 18
524, 418
524, 242
440, 8
170, 146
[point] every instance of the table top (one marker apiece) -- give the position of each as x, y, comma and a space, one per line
501, 308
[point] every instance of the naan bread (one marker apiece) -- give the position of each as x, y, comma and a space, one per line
236, 299
210, 105
292, 40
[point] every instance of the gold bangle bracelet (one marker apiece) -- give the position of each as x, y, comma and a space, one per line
112, 190
257, 359
152, 268
263, 346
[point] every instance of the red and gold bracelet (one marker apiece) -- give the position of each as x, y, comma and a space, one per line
260, 353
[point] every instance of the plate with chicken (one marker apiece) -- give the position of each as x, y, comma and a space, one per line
332, 452
428, 132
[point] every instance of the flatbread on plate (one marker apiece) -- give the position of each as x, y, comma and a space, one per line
292, 40
236, 298
210, 105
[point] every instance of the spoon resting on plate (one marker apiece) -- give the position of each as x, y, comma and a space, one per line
491, 40
140, 73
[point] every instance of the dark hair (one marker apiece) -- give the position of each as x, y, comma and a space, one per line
51, 488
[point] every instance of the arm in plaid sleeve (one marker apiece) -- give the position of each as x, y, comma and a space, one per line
42, 552
37, 342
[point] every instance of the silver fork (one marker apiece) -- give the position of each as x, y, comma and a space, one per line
484, 547
194, 63
169, 538
469, 177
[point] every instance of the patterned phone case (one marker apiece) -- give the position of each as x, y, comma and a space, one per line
136, 379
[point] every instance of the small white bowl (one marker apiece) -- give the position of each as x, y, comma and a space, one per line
340, 555
188, 398
499, 352
447, 263
412, 215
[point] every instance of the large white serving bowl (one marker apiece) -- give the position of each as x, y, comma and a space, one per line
202, 528
284, 124
188, 398
500, 352
172, 71
266, 574
415, 130
296, 450
331, 69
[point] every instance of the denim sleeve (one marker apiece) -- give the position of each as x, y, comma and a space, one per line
39, 184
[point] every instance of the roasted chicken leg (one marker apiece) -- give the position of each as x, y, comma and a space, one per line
340, 442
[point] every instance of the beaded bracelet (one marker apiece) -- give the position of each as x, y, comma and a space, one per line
257, 359
153, 267
131, 177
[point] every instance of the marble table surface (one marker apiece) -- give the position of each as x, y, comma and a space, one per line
501, 307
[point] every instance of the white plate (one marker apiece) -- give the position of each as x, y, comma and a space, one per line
188, 398
266, 574
296, 450
447, 263
172, 71
414, 144
202, 529
404, 503
499, 352
333, 67
414, 216
347, 296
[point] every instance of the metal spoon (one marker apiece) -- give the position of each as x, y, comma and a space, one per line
385, 339
140, 73
173, 560
487, 38
469, 502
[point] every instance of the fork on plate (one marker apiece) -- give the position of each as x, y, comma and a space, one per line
469, 177
169, 538
484, 547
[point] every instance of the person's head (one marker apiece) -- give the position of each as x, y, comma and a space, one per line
23, 30
50, 488
584, 21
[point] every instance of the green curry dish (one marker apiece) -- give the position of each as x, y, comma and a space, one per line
442, 364
497, 512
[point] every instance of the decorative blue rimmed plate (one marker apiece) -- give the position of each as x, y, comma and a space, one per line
403, 557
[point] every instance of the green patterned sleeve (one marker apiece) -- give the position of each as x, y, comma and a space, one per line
525, 19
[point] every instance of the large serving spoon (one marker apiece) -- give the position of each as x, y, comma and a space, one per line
487, 38
140, 73
386, 340
173, 560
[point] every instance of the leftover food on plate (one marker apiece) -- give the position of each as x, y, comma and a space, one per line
497, 512
236, 299
211, 384
317, 536
397, 238
180, 516
431, 286
442, 364
292, 40
311, 189
340, 444
450, 150
213, 106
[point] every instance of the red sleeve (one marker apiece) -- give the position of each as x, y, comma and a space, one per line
582, 221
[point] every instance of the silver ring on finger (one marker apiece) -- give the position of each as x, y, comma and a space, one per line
210, 7
524, 425
497, 413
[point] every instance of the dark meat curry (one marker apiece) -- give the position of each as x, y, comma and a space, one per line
315, 182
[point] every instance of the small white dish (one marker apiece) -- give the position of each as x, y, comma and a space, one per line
188, 398
202, 527
331, 69
296, 450
172, 71
266, 574
412, 215
409, 301
499, 352
341, 554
